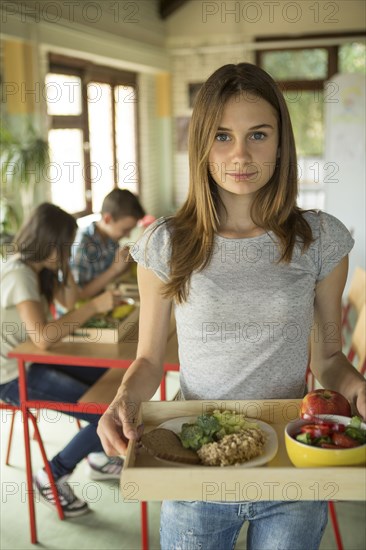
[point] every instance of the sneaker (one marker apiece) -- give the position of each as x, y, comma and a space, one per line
100, 466
71, 505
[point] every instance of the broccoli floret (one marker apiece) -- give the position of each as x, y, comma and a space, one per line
203, 431
192, 436
209, 424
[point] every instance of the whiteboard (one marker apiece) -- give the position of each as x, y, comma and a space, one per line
345, 146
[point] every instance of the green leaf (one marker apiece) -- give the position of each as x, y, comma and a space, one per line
356, 422
304, 438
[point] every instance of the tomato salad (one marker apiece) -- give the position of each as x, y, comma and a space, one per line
332, 435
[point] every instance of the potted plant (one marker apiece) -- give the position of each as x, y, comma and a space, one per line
24, 165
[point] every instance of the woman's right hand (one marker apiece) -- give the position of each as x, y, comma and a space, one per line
107, 301
117, 425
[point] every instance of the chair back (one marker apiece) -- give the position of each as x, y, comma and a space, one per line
358, 342
357, 290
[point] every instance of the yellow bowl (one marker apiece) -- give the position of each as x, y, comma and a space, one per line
306, 456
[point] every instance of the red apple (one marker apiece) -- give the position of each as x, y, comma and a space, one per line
324, 402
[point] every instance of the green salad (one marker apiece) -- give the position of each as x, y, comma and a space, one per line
99, 322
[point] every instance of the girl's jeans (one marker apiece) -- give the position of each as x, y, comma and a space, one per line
289, 525
66, 384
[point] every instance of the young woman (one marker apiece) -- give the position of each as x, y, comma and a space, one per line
33, 276
248, 273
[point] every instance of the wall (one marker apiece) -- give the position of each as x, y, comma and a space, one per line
21, 112
119, 37
155, 143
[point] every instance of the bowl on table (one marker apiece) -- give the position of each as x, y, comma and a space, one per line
309, 456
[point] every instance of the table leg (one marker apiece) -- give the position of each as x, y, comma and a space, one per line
144, 526
28, 457
47, 466
10, 438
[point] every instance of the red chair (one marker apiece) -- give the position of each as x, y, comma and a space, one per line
37, 436
10, 436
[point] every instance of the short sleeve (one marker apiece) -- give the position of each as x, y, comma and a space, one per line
81, 266
153, 249
18, 285
335, 242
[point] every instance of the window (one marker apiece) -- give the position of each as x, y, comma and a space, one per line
352, 58
287, 65
92, 139
304, 75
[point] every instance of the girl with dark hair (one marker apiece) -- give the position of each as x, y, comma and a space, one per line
248, 273
32, 277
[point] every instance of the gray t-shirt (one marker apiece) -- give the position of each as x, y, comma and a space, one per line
244, 331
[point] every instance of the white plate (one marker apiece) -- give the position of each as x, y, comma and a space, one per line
270, 446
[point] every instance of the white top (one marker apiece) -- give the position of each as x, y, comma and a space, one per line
244, 331
18, 283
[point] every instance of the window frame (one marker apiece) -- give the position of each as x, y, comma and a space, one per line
307, 84
333, 56
91, 72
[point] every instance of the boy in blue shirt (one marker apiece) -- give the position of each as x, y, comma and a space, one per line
97, 258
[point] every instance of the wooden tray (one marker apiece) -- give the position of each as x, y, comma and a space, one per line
146, 478
106, 335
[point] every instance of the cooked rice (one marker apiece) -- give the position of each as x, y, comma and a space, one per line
233, 449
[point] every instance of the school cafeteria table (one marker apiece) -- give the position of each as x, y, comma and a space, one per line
116, 356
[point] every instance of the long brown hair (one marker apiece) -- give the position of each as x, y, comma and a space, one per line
49, 228
274, 207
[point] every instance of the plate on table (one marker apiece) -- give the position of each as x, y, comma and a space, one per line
270, 446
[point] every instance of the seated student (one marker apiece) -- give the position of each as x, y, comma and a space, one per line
97, 259
36, 273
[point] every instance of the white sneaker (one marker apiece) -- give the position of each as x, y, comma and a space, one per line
71, 505
100, 466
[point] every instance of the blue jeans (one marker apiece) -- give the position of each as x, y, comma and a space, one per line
290, 525
66, 384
